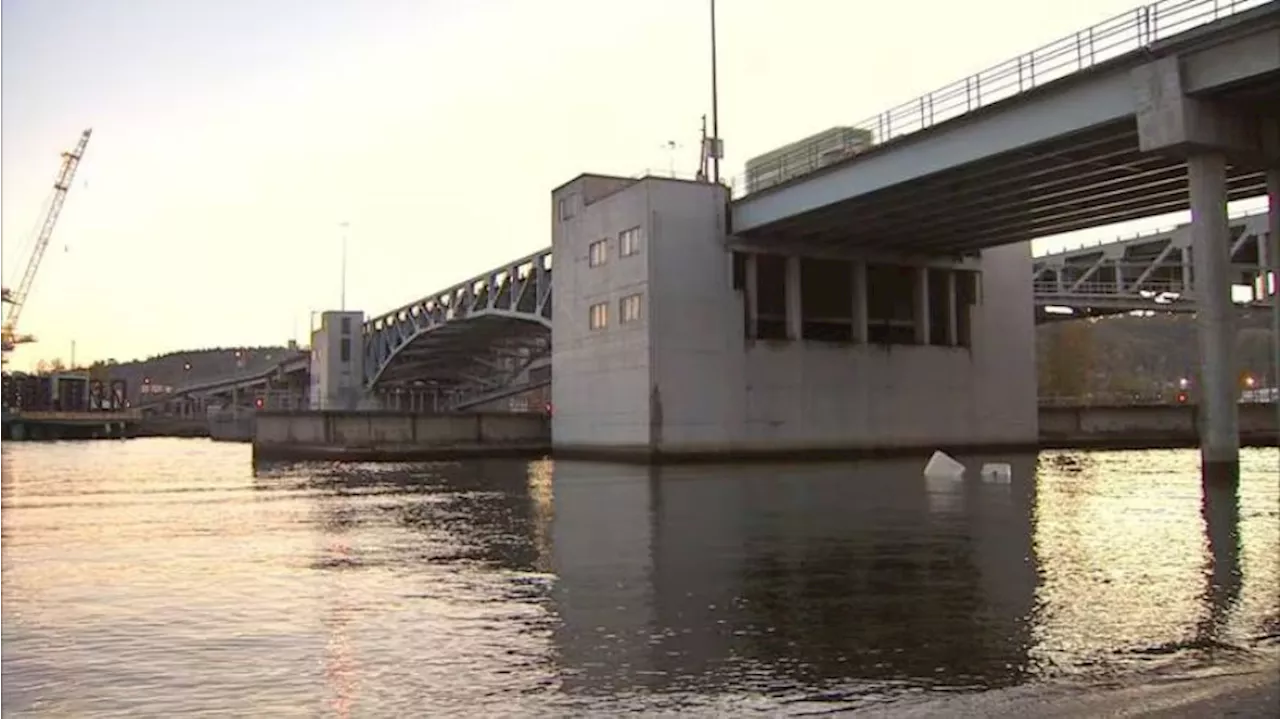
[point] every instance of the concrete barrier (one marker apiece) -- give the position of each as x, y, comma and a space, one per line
397, 436
1146, 427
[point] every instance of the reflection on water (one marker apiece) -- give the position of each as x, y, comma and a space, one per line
165, 577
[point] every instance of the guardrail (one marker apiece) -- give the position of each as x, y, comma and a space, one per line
1131, 31
1158, 292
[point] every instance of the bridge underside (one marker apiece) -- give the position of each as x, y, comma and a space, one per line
1095, 177
479, 354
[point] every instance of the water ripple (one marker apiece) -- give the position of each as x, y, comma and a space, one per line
169, 577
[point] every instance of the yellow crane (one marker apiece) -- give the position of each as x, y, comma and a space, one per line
9, 337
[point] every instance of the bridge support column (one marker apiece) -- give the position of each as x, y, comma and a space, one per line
1207, 134
1273, 254
1215, 320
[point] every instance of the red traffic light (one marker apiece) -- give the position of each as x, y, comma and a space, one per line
257, 403
1182, 398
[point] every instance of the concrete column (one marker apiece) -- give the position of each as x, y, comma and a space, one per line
795, 330
1215, 320
922, 305
1273, 251
1186, 270
753, 296
953, 321
860, 301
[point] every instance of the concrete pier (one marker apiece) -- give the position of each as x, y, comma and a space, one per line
674, 338
1273, 253
398, 436
23, 426
1215, 320
1209, 136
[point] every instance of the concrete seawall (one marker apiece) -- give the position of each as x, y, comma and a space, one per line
398, 436
1120, 428
1150, 427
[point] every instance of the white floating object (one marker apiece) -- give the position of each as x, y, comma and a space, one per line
997, 473
942, 465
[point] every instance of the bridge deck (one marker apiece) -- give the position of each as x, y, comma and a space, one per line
1060, 155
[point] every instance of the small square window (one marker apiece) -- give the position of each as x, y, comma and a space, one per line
599, 316
629, 242
629, 308
565, 206
598, 253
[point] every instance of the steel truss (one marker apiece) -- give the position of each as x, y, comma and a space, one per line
474, 339
1151, 272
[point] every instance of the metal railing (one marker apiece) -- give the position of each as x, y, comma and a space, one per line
1157, 291
1134, 30
1149, 398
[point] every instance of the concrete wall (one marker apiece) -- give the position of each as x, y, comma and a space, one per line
600, 377
685, 378
392, 430
1150, 426
337, 382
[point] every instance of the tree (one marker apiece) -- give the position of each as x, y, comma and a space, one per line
1067, 359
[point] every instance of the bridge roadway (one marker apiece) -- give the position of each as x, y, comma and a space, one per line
1044, 144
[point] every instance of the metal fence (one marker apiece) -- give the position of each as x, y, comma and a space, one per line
1122, 34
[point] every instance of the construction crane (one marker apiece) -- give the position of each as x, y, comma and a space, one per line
9, 337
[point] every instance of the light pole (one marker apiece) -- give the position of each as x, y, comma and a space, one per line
715, 104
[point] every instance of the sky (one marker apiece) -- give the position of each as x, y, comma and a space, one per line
232, 137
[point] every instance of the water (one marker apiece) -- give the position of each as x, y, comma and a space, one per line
166, 578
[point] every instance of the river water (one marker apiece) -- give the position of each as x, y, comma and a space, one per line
168, 578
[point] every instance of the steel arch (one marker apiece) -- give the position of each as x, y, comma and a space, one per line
518, 291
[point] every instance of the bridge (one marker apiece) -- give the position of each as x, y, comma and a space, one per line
1150, 271
500, 340
914, 239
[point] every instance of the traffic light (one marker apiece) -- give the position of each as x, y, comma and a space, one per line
257, 403
1182, 398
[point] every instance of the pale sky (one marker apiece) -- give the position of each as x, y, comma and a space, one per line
232, 136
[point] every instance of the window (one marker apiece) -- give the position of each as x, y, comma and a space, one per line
346, 325
599, 315
565, 206
598, 253
629, 308
629, 242
344, 349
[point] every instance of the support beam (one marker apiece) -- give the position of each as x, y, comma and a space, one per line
860, 301
1215, 321
922, 305
795, 324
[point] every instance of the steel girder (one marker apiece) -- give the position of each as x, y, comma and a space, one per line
1148, 272
475, 337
